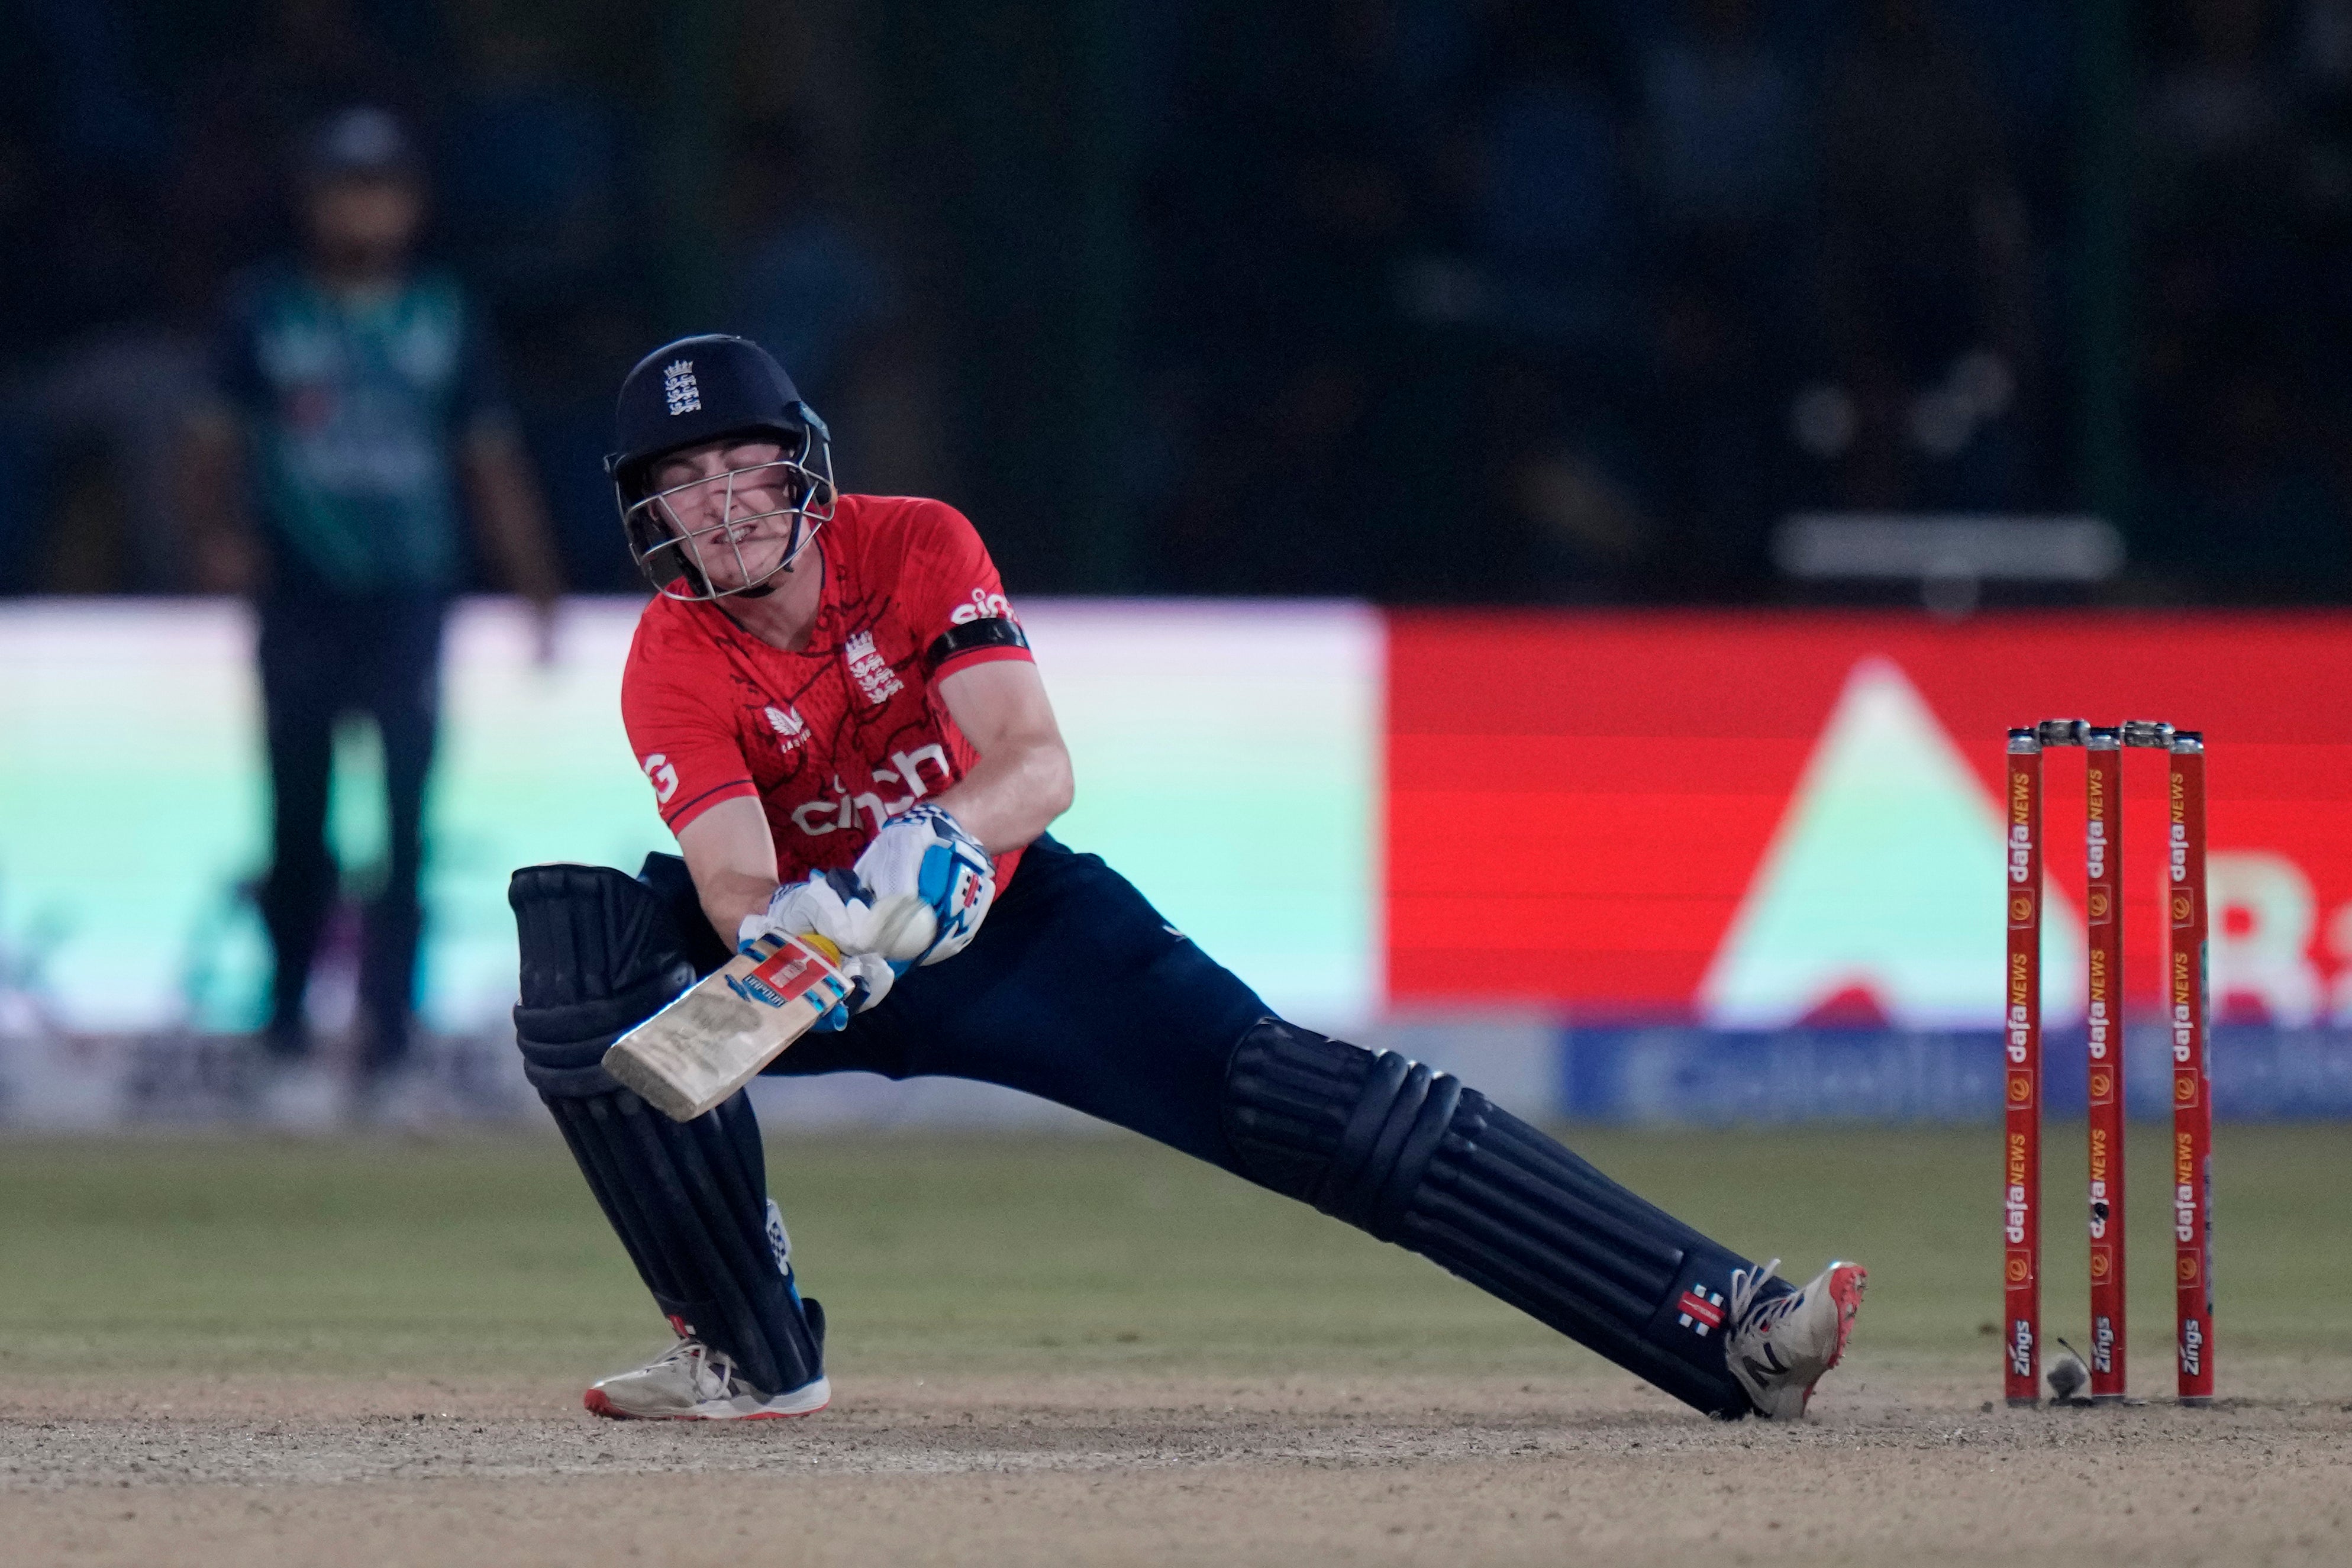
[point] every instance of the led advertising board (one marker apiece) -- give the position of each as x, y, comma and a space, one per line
1747, 821
1757, 821
1226, 755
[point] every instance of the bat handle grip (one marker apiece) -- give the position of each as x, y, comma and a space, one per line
820, 946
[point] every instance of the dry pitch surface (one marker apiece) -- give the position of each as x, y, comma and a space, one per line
1131, 1468
1088, 1350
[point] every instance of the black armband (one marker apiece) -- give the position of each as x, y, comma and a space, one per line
988, 631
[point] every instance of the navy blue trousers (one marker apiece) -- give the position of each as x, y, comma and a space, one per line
1076, 991
319, 659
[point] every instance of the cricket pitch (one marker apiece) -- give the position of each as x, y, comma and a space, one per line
247, 1352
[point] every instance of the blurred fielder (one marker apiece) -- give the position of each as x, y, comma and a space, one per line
356, 397
837, 712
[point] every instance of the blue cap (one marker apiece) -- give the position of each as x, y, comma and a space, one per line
363, 143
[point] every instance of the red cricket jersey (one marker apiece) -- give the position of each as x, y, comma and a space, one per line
849, 731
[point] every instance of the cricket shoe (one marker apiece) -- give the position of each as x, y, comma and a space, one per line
292, 1094
692, 1381
1779, 1348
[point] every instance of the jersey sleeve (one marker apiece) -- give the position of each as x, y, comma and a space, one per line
684, 746
950, 594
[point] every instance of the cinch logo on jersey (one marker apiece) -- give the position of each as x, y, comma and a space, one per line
1701, 1310
678, 387
818, 817
983, 604
662, 776
790, 729
870, 669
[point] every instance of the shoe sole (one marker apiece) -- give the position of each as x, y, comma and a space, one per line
1847, 1281
784, 1408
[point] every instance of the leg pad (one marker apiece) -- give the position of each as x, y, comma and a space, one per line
600, 953
1415, 1157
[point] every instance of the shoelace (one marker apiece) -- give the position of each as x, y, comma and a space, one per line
1745, 1284
711, 1374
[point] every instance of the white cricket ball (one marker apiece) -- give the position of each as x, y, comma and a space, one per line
904, 927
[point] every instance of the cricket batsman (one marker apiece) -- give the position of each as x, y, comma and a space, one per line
836, 710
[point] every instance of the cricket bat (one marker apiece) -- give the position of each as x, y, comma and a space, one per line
711, 1041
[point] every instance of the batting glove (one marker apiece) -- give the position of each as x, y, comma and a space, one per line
869, 975
838, 906
933, 884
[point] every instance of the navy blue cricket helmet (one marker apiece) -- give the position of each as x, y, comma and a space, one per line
703, 389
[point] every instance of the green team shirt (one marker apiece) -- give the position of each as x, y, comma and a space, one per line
355, 409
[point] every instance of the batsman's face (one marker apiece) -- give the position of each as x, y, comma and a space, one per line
733, 501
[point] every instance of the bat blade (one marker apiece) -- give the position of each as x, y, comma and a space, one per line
715, 1039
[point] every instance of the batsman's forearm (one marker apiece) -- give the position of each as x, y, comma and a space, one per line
733, 861
1012, 793
730, 896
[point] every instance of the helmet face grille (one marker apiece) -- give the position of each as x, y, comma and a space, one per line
731, 532
726, 532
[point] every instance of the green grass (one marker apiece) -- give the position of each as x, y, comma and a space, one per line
216, 1256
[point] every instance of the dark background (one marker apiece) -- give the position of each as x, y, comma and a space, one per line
1428, 301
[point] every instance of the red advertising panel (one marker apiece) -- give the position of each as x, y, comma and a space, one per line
1758, 819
